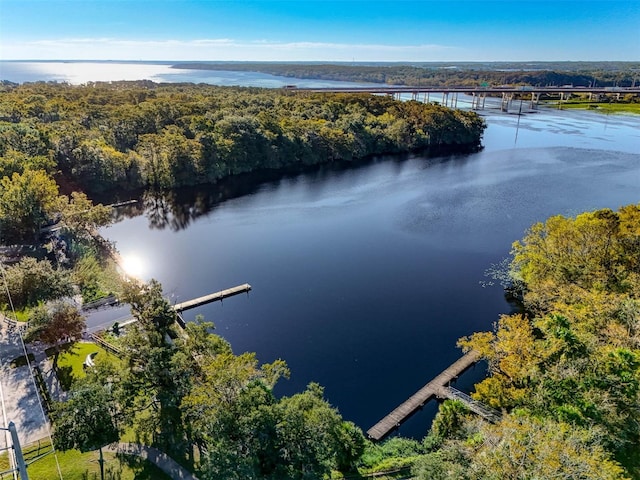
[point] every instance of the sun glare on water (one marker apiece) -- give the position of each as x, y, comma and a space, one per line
133, 265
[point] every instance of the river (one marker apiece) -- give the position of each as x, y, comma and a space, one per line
364, 277
80, 72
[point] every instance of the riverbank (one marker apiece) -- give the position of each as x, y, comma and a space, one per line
601, 107
369, 262
128, 135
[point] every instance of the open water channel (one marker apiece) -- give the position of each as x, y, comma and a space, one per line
365, 277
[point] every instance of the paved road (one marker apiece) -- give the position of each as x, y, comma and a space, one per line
21, 399
103, 318
165, 463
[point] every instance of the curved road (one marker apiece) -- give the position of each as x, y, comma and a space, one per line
163, 461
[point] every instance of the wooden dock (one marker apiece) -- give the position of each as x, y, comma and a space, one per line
196, 302
435, 388
213, 297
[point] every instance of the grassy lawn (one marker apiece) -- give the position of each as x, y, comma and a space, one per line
70, 361
604, 107
75, 465
22, 315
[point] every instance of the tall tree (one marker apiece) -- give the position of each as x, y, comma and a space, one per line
525, 447
151, 379
86, 421
61, 324
32, 281
27, 200
80, 215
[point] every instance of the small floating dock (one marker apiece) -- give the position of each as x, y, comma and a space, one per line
435, 388
212, 297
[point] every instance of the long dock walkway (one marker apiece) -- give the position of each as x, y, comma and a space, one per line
435, 388
213, 297
196, 302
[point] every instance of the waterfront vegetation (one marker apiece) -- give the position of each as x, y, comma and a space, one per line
565, 372
603, 107
586, 74
191, 396
126, 135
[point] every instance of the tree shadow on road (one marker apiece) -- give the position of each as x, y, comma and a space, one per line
143, 469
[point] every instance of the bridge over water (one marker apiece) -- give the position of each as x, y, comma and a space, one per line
449, 95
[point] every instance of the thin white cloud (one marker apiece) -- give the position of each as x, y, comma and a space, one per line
217, 49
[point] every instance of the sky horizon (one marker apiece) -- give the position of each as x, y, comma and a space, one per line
321, 31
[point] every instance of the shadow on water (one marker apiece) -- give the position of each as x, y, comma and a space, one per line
176, 209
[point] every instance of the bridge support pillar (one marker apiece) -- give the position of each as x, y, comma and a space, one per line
506, 101
535, 98
563, 99
476, 99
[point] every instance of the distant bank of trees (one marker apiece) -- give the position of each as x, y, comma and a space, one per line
139, 134
441, 75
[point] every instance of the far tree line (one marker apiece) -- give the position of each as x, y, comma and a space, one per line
128, 135
586, 74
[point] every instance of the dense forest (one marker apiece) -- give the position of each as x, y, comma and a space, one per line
564, 373
625, 75
127, 135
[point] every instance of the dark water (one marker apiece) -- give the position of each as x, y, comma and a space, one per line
363, 279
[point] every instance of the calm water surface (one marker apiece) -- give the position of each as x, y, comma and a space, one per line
77, 72
363, 279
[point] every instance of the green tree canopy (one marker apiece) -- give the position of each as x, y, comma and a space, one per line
27, 201
86, 420
139, 134
31, 281
55, 325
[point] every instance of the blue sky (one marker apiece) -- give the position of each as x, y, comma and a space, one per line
311, 30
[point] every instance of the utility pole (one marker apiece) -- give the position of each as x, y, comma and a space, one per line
101, 462
21, 466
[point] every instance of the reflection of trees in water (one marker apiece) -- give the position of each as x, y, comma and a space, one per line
176, 209
158, 207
